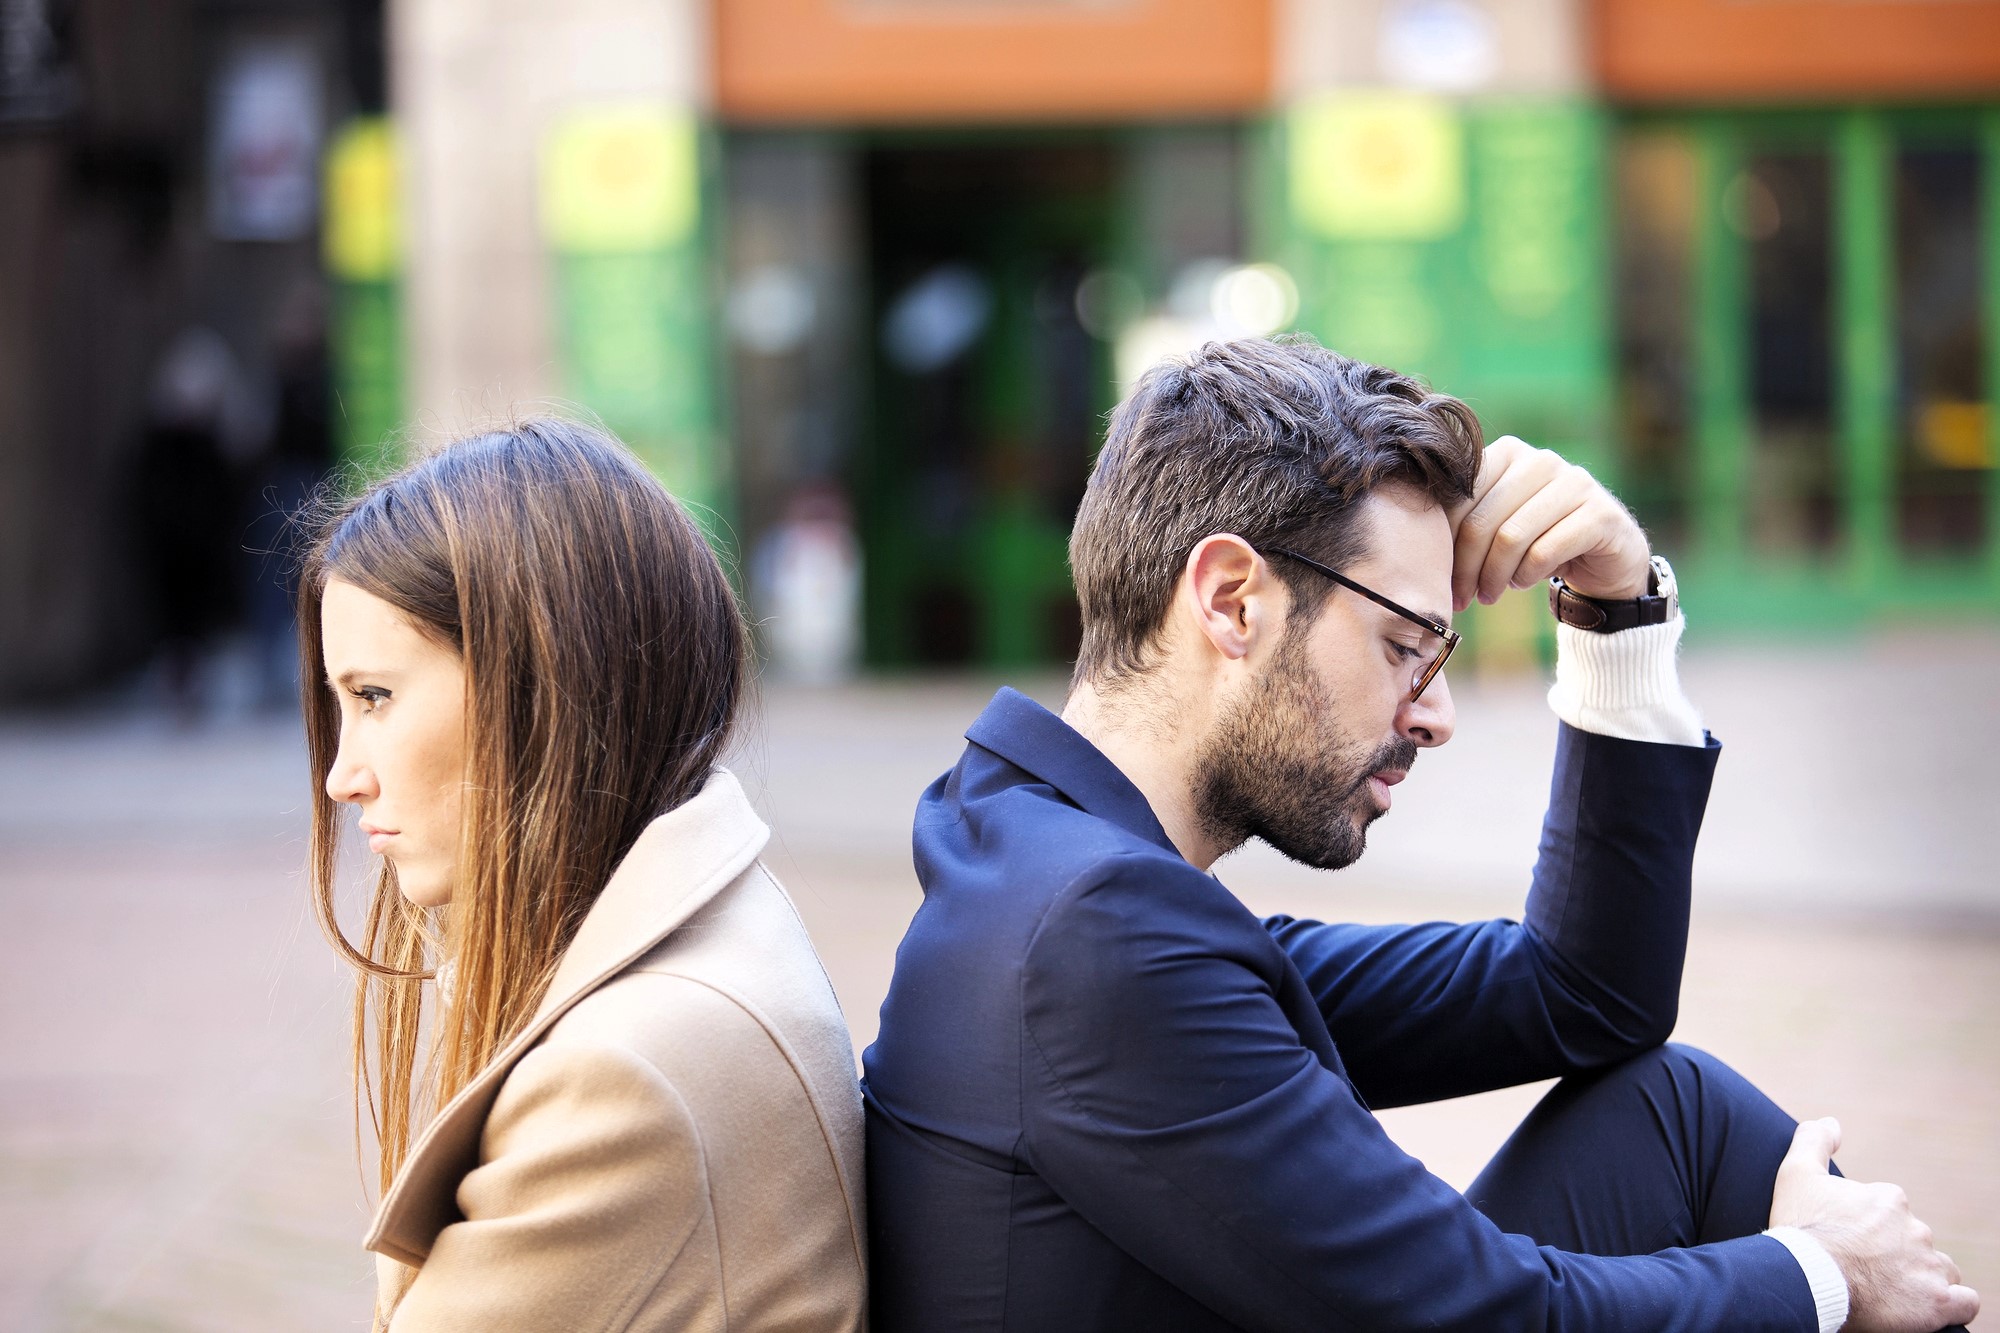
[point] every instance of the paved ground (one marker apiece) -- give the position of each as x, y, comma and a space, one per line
175, 1132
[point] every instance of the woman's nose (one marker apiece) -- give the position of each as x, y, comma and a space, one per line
349, 780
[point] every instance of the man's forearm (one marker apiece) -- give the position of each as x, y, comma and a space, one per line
1627, 685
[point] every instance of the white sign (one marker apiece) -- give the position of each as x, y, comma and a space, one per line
264, 141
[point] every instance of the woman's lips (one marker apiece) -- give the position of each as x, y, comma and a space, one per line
378, 838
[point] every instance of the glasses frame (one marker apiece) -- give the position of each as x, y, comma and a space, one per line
1450, 636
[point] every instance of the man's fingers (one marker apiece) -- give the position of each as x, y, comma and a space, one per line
1482, 523
1951, 1273
1519, 533
1814, 1142
1961, 1304
1577, 533
1571, 523
1522, 494
1493, 461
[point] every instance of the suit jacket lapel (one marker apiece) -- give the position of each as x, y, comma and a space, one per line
682, 860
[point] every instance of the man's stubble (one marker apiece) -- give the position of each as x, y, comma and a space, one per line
1275, 767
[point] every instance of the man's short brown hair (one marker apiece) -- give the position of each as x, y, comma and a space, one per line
1275, 441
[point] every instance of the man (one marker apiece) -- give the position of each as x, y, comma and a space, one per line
1105, 1096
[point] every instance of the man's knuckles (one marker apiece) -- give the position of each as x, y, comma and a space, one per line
1512, 535
1890, 1197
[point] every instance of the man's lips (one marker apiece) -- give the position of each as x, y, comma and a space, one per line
1379, 783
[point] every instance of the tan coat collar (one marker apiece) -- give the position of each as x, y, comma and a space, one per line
683, 859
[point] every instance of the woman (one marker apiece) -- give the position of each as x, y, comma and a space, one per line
646, 1115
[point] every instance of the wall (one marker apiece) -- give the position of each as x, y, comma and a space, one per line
1797, 50
883, 61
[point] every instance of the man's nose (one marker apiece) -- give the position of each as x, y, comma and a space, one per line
1429, 718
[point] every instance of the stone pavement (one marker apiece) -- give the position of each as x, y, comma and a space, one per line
175, 1130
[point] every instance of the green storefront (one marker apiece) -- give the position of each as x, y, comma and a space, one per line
1773, 331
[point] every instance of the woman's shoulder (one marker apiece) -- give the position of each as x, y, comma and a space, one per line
749, 942
735, 995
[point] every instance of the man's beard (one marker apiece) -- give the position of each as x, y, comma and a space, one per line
1274, 768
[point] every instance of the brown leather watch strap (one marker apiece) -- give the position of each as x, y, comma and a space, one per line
1607, 615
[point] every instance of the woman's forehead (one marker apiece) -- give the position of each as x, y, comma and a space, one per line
355, 623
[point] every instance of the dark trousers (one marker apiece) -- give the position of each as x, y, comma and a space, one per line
1672, 1148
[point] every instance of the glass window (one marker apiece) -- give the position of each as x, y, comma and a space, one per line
1944, 458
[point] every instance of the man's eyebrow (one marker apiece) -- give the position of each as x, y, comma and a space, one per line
1431, 616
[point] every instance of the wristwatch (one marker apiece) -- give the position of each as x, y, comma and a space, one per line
1607, 615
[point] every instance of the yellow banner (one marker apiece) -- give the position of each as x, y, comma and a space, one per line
618, 180
1377, 166
362, 233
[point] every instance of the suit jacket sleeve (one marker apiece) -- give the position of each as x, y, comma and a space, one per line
589, 1187
1167, 1097
1593, 975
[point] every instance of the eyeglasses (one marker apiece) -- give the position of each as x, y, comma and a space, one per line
1428, 671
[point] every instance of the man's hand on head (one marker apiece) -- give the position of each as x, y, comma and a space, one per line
1533, 514
1897, 1280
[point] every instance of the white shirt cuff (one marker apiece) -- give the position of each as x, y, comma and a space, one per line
1829, 1288
1625, 684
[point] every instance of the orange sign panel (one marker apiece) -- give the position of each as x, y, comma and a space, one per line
1798, 50
881, 61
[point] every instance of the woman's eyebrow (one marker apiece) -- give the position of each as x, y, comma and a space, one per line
347, 679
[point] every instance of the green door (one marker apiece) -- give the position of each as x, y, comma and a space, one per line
1807, 306
987, 392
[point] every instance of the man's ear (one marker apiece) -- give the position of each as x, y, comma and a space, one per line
1230, 594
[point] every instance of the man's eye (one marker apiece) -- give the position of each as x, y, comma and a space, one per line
1404, 653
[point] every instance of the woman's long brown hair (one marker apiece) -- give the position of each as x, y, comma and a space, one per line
604, 655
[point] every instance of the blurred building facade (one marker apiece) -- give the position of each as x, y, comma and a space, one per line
163, 321
893, 260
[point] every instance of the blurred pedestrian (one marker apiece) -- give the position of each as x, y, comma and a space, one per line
282, 481
646, 1108
807, 579
186, 511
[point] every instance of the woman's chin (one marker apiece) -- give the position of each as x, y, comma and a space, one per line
423, 890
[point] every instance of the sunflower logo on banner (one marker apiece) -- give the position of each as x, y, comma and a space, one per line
620, 180
1377, 166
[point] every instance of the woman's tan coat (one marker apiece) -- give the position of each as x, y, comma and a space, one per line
674, 1142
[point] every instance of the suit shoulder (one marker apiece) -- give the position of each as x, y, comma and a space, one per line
1144, 903
1043, 839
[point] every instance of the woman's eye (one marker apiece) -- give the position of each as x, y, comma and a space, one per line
370, 695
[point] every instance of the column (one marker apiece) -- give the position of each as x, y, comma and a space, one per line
497, 316
1989, 229
1722, 419
1864, 332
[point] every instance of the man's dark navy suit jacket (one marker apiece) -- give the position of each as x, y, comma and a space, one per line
1107, 1096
